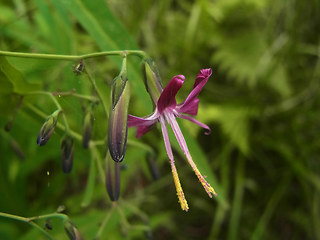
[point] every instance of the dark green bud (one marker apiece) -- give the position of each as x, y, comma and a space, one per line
48, 128
152, 80
113, 180
71, 230
118, 118
67, 147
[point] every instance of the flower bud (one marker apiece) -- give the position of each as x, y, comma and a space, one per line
113, 180
118, 127
67, 148
72, 231
48, 128
152, 80
87, 127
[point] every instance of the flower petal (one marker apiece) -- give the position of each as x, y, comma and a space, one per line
201, 80
191, 119
191, 108
144, 124
167, 97
134, 121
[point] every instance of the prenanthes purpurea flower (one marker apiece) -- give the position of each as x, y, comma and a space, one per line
167, 110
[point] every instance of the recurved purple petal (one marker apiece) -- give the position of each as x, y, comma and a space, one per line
167, 97
191, 119
201, 80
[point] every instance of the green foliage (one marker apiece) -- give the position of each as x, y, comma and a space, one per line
262, 104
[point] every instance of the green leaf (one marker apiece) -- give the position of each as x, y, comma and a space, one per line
11, 74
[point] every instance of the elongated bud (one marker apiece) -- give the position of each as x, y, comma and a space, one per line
152, 164
113, 180
72, 231
48, 128
152, 80
87, 127
67, 147
118, 118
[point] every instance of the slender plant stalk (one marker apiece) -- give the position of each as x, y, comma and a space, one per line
138, 53
105, 221
100, 96
77, 95
97, 157
31, 219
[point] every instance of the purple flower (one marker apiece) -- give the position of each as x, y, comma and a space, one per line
168, 110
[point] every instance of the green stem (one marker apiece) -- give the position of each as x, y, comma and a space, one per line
100, 95
98, 159
77, 95
138, 53
123, 219
51, 215
104, 223
28, 221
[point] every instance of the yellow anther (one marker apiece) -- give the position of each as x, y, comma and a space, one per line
182, 199
202, 180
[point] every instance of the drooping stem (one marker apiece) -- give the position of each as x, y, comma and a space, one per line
51, 215
138, 53
77, 95
31, 219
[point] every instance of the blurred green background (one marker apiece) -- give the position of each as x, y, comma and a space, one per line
262, 104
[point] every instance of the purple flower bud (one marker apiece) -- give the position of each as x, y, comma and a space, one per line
47, 128
67, 148
72, 231
118, 118
113, 180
